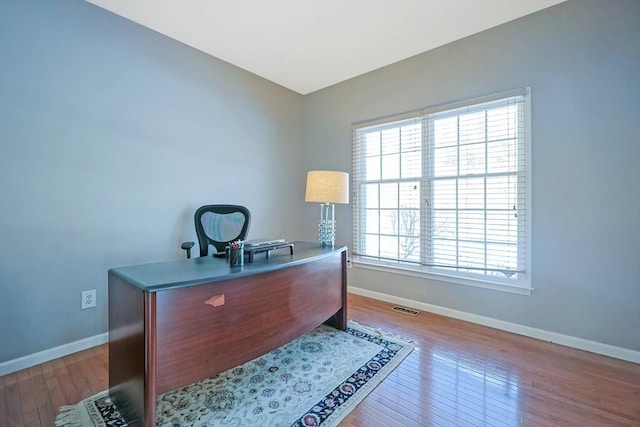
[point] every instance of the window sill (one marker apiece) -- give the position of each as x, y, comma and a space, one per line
408, 270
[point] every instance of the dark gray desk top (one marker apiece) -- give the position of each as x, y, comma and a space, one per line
188, 272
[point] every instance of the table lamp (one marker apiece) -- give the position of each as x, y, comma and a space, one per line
327, 188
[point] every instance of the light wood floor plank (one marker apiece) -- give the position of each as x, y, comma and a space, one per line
12, 399
54, 388
46, 412
67, 387
3, 405
28, 402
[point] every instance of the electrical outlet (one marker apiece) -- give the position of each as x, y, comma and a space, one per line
88, 299
349, 263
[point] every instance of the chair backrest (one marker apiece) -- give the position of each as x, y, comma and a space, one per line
218, 225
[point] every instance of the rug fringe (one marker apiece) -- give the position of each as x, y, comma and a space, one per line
380, 333
76, 415
67, 417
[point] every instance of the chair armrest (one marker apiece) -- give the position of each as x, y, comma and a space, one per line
187, 247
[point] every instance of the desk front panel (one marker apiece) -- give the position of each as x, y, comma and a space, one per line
206, 329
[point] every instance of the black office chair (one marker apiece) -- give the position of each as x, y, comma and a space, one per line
218, 225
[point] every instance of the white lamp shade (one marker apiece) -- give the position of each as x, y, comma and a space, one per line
327, 187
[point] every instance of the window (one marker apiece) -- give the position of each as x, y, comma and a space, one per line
445, 192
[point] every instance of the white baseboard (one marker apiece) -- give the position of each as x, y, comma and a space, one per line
52, 353
566, 340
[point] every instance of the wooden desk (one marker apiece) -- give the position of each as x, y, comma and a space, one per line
175, 323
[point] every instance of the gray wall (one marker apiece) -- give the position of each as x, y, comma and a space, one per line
582, 61
111, 135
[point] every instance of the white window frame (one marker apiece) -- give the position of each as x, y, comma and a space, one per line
420, 269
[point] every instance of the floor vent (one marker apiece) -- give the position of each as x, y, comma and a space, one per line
406, 310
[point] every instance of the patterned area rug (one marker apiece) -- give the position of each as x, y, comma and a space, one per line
315, 380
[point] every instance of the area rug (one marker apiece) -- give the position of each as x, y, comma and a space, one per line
315, 380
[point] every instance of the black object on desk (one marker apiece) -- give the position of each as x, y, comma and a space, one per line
252, 250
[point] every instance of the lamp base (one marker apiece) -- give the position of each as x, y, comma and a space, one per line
327, 225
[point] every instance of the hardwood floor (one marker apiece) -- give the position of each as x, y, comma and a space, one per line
466, 374
460, 374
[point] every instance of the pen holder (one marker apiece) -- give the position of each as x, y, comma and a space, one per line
236, 257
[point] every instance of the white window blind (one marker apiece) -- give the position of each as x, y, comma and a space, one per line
446, 191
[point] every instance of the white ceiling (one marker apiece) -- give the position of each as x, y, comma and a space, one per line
306, 45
